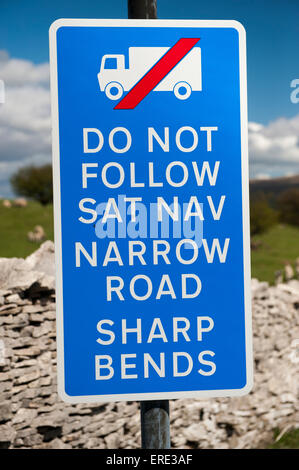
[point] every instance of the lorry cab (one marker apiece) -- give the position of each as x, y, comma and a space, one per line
112, 65
112, 62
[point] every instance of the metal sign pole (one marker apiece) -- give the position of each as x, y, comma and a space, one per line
155, 432
154, 415
142, 9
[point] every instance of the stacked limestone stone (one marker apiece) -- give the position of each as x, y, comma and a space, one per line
33, 416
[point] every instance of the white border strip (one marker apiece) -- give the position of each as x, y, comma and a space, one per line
57, 207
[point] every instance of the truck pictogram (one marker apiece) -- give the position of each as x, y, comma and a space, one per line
115, 78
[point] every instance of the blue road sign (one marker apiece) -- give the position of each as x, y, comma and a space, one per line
151, 209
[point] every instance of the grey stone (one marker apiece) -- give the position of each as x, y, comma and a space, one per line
17, 274
33, 416
13, 298
195, 432
43, 259
288, 272
112, 441
5, 412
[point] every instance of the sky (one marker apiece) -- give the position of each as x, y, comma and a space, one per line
272, 28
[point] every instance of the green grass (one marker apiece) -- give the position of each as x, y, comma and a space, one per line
289, 440
279, 245
16, 222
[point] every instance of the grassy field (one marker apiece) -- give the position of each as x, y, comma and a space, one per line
277, 246
16, 222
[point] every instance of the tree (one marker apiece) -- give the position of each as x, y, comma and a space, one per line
262, 216
34, 183
288, 204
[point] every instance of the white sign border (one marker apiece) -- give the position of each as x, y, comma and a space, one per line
57, 208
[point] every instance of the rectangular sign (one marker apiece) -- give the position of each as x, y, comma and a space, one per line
151, 209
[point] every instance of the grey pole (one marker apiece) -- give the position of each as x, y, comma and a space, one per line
155, 429
155, 433
142, 9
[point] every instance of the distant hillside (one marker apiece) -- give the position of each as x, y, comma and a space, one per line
275, 185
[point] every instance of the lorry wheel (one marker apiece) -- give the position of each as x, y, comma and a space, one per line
114, 90
182, 90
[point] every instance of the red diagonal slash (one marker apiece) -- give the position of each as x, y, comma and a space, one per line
154, 76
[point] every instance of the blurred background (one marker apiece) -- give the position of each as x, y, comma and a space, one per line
272, 26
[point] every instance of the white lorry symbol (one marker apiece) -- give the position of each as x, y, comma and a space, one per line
114, 78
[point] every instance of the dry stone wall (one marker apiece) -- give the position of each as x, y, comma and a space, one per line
33, 416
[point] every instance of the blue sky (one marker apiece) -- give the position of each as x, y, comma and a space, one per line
272, 38
272, 58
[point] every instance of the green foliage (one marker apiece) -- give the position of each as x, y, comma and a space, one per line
34, 183
288, 204
262, 216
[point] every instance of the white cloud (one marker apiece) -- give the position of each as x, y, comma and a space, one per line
24, 122
25, 127
25, 117
274, 149
19, 72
